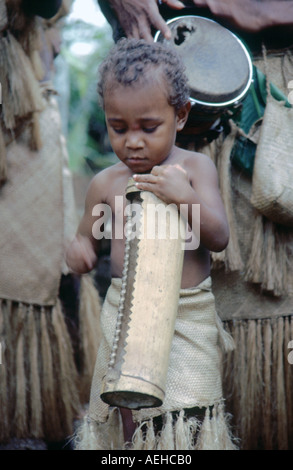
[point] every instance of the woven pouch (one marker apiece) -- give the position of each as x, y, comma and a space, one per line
272, 181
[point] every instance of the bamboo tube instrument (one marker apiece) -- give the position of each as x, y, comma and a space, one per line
148, 304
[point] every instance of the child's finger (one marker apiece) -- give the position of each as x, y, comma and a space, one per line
149, 178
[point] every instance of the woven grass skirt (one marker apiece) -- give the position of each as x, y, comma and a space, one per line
193, 380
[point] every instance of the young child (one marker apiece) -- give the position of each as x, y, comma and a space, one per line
145, 97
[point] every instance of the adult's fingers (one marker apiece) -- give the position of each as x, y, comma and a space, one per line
176, 4
133, 32
144, 28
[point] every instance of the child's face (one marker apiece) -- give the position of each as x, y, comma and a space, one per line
141, 124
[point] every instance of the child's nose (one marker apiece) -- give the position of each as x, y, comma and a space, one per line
134, 140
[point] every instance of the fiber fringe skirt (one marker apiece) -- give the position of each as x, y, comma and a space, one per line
41, 388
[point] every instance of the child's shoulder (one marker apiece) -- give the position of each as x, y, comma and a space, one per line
107, 174
101, 184
196, 161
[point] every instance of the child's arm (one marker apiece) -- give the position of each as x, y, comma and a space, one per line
197, 184
81, 254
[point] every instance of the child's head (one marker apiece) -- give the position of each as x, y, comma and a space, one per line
146, 101
134, 62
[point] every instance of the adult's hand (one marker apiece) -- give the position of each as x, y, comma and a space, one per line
251, 15
138, 16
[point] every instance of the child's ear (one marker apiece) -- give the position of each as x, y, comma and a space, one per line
182, 115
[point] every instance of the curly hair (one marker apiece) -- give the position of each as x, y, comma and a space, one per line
130, 60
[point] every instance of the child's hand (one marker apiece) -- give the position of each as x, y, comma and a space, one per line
80, 255
170, 183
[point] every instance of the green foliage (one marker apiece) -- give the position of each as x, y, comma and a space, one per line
84, 110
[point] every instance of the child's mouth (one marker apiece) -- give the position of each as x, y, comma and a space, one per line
135, 159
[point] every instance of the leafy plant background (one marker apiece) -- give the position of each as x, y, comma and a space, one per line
76, 82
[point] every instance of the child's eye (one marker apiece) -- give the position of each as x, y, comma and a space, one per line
149, 130
119, 130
